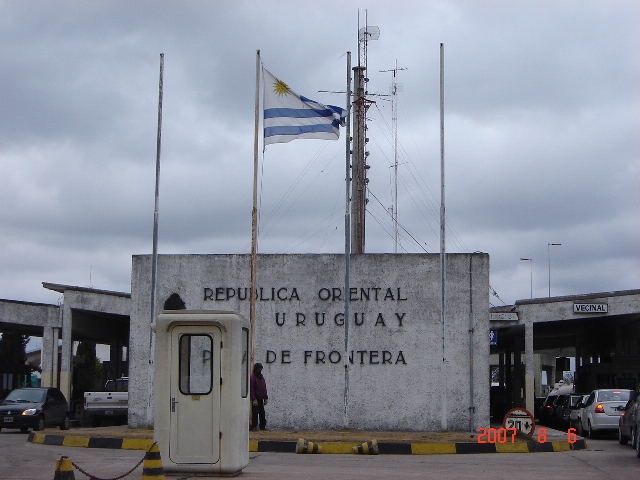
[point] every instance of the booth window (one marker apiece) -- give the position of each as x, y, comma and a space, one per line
244, 368
196, 364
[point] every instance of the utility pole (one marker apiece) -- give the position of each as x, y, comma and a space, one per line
359, 165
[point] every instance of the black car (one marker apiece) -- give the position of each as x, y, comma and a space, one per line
34, 407
562, 408
545, 414
627, 422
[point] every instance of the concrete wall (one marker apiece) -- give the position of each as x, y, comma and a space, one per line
29, 314
397, 377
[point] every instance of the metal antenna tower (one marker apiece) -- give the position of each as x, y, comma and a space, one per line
395, 88
359, 167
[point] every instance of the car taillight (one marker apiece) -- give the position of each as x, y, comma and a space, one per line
622, 414
599, 408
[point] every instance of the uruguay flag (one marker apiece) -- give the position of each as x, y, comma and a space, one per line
289, 116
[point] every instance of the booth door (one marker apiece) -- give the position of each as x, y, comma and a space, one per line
195, 394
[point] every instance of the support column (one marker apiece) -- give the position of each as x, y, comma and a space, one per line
55, 365
517, 376
46, 355
508, 383
577, 377
66, 352
114, 359
502, 400
116, 352
529, 368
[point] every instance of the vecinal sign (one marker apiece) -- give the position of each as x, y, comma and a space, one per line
590, 308
511, 316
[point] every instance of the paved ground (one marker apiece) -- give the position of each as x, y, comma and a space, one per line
603, 459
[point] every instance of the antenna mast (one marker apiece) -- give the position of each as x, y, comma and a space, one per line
395, 88
359, 167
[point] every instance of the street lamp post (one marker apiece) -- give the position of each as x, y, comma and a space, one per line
549, 245
530, 260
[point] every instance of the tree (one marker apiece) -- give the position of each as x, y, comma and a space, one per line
13, 358
13, 348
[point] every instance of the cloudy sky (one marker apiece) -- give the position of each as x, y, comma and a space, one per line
542, 143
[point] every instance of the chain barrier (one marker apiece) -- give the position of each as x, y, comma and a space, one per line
93, 477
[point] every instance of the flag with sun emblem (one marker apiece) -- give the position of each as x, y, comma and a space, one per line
289, 116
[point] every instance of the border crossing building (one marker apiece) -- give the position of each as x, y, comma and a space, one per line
408, 370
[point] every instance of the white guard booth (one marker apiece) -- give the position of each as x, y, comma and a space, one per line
201, 391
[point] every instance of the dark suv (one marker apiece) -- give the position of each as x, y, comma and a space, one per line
562, 409
545, 414
34, 407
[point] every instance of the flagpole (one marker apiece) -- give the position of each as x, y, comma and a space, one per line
254, 215
443, 275
154, 256
347, 244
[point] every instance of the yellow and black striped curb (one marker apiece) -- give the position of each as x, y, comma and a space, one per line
392, 448
91, 442
273, 446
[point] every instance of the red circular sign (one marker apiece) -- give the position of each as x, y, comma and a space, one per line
520, 419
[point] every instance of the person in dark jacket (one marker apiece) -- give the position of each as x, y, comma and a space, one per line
259, 398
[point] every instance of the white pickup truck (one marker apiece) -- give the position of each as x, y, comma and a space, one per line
112, 403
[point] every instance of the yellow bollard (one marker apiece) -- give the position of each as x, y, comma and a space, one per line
64, 469
304, 446
152, 466
367, 448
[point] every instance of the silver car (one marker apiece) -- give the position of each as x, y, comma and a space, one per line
602, 411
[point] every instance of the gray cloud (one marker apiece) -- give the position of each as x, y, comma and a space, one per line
541, 136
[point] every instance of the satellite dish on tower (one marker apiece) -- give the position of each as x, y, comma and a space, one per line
369, 32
